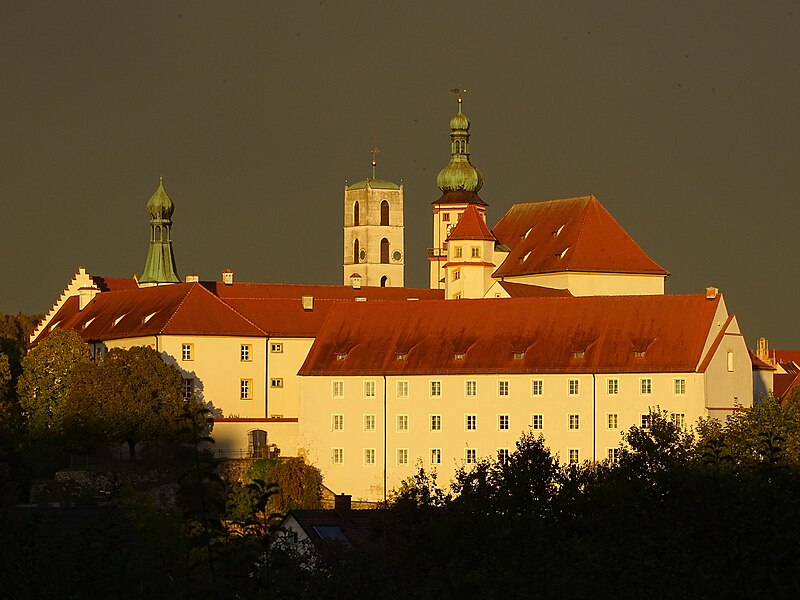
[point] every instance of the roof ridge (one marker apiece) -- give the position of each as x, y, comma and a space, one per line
585, 213
177, 308
228, 306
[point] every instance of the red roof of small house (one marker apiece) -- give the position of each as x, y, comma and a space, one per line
470, 226
357, 526
595, 334
522, 290
459, 197
758, 364
784, 383
783, 356
573, 234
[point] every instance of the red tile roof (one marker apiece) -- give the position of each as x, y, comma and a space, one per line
609, 330
787, 356
358, 526
241, 309
758, 364
471, 226
573, 234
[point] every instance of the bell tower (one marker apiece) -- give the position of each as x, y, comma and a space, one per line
459, 182
159, 269
373, 231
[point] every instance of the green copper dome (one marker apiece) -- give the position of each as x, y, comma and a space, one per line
459, 173
160, 205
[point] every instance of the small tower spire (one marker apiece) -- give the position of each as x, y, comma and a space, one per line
160, 265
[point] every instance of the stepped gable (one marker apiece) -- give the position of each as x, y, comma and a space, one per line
470, 226
572, 234
596, 334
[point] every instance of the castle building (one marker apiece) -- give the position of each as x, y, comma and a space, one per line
562, 328
373, 232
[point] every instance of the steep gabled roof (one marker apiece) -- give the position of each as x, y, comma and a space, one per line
470, 226
596, 334
573, 234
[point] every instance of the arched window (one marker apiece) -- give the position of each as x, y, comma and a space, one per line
385, 251
384, 213
355, 214
355, 251
384, 281
158, 233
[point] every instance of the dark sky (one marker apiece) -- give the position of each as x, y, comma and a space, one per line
683, 118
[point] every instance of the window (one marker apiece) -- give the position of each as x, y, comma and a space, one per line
502, 388
436, 388
574, 422
471, 388
470, 456
337, 422
613, 387
385, 251
276, 347
337, 456
356, 214
276, 382
436, 456
384, 212
337, 389
613, 455
245, 353
537, 422
537, 387
646, 421
369, 389
471, 422
517, 355
457, 252
646, 386
679, 420
356, 248
436, 422
402, 422
402, 389
188, 388
680, 387
402, 456
574, 456
573, 387
456, 274
369, 456
475, 252
502, 455
369, 422
730, 361
187, 351
502, 422
246, 389
445, 216
612, 421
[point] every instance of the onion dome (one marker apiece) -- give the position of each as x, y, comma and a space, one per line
459, 173
160, 205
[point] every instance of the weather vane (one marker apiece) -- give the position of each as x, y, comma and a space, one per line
374, 152
458, 91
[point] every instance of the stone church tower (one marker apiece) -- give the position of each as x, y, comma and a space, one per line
374, 254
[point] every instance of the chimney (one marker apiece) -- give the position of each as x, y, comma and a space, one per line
341, 502
227, 277
192, 279
86, 295
308, 302
711, 293
355, 281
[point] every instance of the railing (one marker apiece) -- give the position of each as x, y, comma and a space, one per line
436, 252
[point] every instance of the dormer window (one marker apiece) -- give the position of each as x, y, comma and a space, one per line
400, 356
117, 320
341, 355
557, 232
519, 355
148, 317
564, 252
639, 353
459, 356
579, 354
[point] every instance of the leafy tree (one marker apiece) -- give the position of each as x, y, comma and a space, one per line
132, 396
45, 382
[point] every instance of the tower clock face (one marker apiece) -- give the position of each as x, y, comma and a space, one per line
362, 255
396, 255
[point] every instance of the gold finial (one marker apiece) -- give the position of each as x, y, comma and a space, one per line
374, 152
